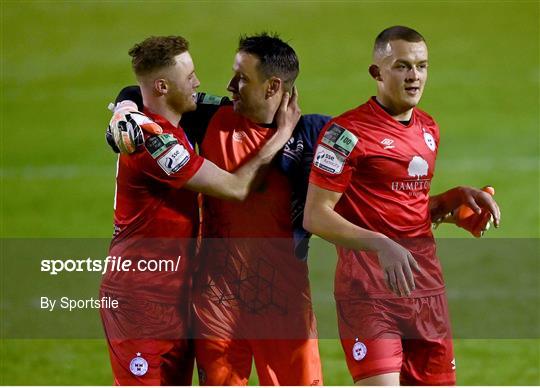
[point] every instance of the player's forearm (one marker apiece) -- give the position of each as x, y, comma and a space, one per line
274, 145
216, 182
325, 222
213, 181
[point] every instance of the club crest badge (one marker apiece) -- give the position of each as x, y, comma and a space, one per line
430, 141
359, 350
138, 365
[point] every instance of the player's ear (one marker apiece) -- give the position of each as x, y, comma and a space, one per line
274, 86
160, 86
375, 72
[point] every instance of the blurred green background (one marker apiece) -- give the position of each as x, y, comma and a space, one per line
62, 62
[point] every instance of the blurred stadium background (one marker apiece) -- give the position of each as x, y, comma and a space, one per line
63, 62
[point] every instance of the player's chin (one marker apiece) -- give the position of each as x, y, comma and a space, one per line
237, 106
190, 105
412, 99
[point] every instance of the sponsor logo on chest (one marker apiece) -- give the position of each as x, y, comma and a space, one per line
238, 136
418, 171
387, 143
412, 160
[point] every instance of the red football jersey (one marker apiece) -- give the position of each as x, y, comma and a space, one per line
154, 217
248, 258
384, 170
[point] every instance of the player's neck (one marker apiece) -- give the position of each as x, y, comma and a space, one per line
170, 115
266, 117
263, 119
161, 108
397, 114
157, 104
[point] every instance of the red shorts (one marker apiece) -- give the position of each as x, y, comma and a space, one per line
278, 362
151, 362
411, 336
148, 343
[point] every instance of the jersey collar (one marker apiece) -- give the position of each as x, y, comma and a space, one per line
158, 119
383, 113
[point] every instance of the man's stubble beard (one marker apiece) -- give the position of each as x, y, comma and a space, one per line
181, 104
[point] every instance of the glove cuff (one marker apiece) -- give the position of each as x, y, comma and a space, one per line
126, 105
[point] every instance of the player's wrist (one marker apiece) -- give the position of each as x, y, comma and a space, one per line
274, 144
376, 242
442, 205
284, 133
447, 218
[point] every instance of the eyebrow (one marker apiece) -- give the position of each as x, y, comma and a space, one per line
240, 72
406, 62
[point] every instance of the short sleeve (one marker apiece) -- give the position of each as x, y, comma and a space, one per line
334, 158
169, 159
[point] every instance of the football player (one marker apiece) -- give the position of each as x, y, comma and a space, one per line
251, 297
369, 193
155, 216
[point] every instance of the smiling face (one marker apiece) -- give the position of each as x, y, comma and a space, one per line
400, 70
182, 84
249, 88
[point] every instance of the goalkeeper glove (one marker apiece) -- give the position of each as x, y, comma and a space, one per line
125, 130
475, 223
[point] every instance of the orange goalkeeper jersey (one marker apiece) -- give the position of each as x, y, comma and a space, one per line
247, 262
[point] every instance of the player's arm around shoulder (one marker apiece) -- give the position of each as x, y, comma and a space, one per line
129, 127
125, 131
167, 159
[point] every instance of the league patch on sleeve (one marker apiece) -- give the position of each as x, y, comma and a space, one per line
328, 160
174, 159
340, 139
211, 100
157, 144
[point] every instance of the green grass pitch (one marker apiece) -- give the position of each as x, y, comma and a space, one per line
62, 62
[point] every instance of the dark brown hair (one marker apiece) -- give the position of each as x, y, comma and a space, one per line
156, 52
276, 57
